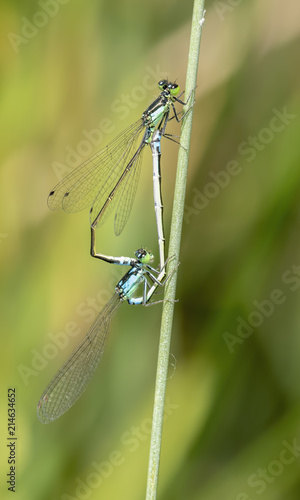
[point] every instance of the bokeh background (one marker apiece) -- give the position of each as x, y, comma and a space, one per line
232, 427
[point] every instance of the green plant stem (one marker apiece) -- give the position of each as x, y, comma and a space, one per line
174, 249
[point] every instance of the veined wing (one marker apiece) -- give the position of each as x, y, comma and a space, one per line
79, 189
109, 195
127, 196
71, 380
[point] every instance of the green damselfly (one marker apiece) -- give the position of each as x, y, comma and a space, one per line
109, 178
71, 380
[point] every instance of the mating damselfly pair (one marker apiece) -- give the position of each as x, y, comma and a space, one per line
107, 181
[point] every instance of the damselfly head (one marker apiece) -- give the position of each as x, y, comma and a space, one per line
143, 256
173, 88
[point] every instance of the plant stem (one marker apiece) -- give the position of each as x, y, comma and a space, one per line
174, 249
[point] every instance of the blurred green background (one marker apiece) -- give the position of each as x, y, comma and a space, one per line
232, 426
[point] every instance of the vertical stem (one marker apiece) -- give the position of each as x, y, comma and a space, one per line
174, 249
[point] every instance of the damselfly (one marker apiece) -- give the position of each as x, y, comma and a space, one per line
109, 178
71, 380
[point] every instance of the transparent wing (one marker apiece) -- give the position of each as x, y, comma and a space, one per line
110, 193
79, 189
127, 197
71, 380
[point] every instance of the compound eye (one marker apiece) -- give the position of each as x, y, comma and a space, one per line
163, 84
143, 256
140, 253
174, 88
